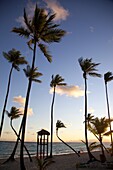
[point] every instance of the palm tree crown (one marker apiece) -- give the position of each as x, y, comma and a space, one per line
100, 126
88, 67
32, 74
57, 80
108, 77
14, 57
40, 29
59, 124
14, 113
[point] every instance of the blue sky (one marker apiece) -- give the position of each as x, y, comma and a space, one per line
89, 26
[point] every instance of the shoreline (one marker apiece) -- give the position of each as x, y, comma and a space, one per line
60, 162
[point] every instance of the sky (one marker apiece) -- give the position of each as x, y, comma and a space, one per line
89, 27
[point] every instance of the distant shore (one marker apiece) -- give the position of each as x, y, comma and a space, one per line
60, 162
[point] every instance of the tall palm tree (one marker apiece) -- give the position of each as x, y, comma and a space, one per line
88, 68
108, 77
56, 81
14, 57
99, 127
14, 114
59, 124
40, 30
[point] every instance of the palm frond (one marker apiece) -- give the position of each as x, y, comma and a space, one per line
30, 42
108, 76
21, 32
53, 35
59, 124
33, 74
94, 74
44, 50
14, 113
27, 22
57, 80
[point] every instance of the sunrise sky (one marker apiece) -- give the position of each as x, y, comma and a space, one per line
89, 26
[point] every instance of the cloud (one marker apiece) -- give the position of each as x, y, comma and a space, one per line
72, 91
29, 111
54, 5
21, 101
30, 8
90, 110
91, 29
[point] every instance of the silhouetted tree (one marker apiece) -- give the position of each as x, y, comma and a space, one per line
41, 30
88, 68
14, 114
56, 81
15, 58
99, 127
108, 77
59, 124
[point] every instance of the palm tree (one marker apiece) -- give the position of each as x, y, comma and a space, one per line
88, 68
59, 124
99, 127
90, 119
56, 81
14, 114
108, 77
41, 31
15, 58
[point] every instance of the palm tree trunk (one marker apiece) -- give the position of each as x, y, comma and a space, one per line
6, 99
109, 117
66, 144
51, 147
103, 154
20, 141
15, 147
99, 141
91, 157
25, 113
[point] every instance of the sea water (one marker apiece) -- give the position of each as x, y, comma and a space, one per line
59, 148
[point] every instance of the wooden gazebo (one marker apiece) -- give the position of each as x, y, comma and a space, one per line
42, 143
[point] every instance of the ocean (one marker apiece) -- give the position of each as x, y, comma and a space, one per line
59, 148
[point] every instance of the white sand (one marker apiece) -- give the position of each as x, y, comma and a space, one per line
61, 162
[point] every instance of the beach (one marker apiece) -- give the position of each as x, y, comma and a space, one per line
61, 162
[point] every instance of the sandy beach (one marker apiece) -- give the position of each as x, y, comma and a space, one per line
61, 162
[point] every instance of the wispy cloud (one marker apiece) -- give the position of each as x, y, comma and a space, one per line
90, 110
91, 28
21, 102
30, 7
72, 91
55, 6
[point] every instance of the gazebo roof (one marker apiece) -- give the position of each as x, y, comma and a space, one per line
43, 132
